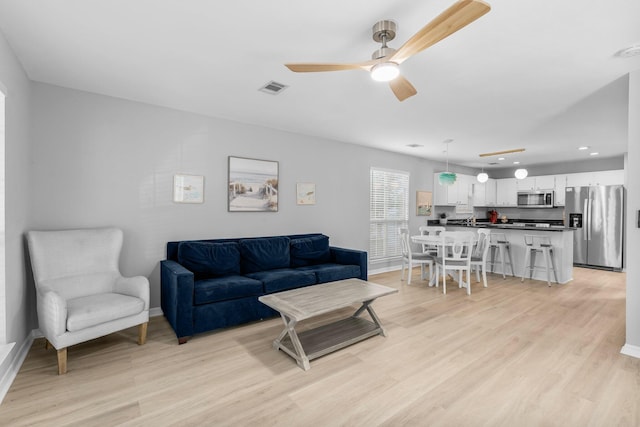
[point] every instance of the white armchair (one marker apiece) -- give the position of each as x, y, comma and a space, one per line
81, 294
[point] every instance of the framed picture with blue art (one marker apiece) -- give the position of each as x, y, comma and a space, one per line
188, 188
424, 203
252, 185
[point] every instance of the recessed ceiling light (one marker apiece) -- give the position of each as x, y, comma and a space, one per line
629, 51
415, 145
594, 153
500, 158
584, 147
516, 163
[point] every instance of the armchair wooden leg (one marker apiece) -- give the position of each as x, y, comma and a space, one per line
142, 333
62, 361
47, 344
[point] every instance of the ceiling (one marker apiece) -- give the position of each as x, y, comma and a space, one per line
534, 74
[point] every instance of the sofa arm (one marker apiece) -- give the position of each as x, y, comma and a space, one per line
52, 314
176, 297
137, 286
350, 257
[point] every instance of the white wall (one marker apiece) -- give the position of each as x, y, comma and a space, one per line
18, 314
632, 345
104, 161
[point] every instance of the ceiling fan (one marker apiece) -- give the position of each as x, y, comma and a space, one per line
385, 62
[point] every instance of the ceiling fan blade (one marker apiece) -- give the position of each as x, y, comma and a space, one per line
310, 67
497, 153
457, 16
401, 88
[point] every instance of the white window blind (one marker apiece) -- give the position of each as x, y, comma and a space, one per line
388, 212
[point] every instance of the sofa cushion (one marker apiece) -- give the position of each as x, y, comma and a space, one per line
310, 250
262, 254
85, 312
225, 288
283, 279
332, 272
207, 259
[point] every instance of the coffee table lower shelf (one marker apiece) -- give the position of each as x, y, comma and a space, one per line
328, 338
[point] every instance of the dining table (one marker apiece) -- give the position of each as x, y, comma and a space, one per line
439, 243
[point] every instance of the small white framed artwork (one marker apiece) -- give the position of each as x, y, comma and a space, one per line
188, 188
306, 193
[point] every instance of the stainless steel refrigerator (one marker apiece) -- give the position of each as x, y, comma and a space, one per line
596, 215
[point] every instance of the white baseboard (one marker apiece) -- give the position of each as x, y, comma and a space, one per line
10, 370
384, 270
631, 350
155, 311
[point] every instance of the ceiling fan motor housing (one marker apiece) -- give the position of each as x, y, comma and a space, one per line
382, 52
384, 31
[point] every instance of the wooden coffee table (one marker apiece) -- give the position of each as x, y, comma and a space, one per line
303, 303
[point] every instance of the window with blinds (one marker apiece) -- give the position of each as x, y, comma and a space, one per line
388, 212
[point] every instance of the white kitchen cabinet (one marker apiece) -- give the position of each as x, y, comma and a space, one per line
446, 195
545, 182
526, 184
479, 192
582, 179
614, 177
561, 183
465, 189
490, 192
506, 192
484, 194
458, 194
534, 183
452, 192
578, 179
464, 202
440, 192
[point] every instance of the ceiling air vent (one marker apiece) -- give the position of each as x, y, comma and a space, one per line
273, 88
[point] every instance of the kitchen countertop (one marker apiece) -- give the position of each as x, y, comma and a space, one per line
512, 226
560, 238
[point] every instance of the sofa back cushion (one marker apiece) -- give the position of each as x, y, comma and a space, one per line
264, 253
310, 250
207, 260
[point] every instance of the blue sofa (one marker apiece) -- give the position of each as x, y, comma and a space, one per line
211, 284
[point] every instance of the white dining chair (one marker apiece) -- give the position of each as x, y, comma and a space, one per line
409, 258
480, 254
430, 230
456, 255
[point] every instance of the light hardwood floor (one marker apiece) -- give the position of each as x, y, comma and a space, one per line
512, 354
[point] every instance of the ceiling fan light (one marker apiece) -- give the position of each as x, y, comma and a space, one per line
482, 177
447, 178
521, 173
385, 71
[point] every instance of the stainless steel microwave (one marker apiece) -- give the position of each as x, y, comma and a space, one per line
536, 199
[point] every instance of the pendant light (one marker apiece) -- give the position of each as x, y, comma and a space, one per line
447, 178
521, 173
482, 176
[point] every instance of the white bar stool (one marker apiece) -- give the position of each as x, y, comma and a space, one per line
533, 245
500, 243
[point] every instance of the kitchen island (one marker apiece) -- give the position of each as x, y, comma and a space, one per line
561, 239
